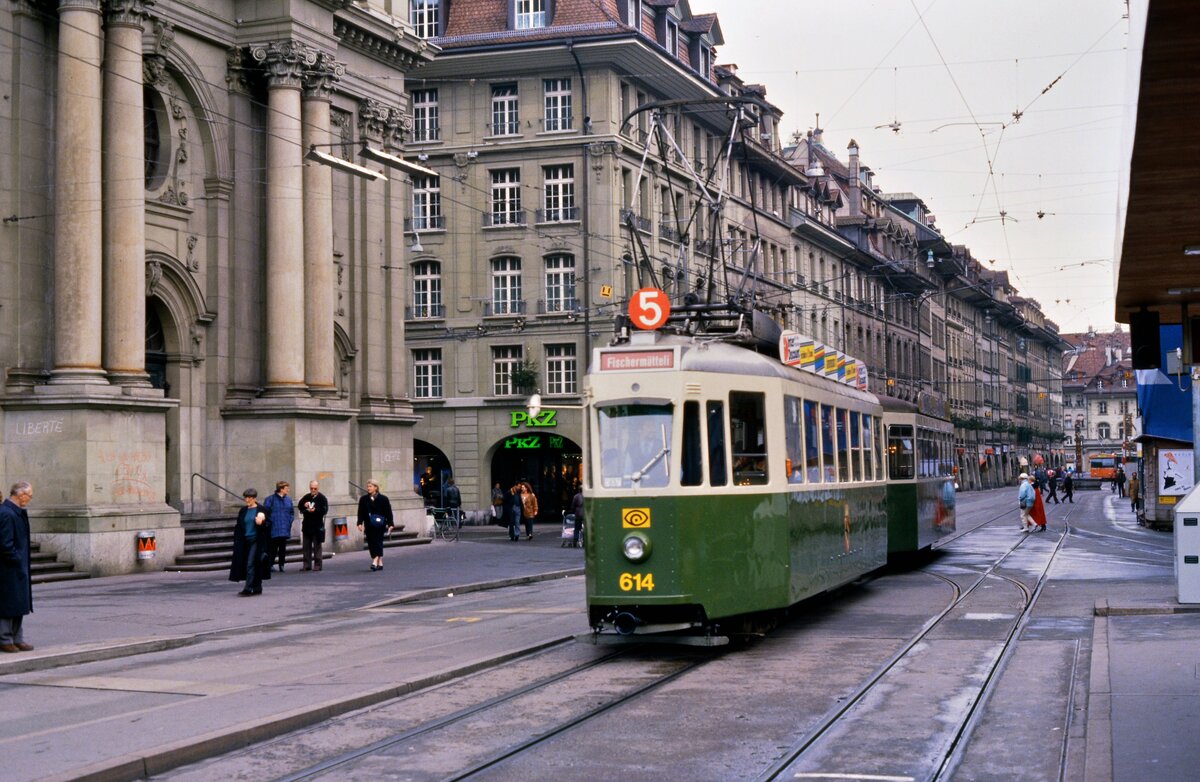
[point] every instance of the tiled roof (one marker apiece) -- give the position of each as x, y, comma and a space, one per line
481, 17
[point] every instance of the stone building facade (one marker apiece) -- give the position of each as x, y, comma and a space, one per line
193, 307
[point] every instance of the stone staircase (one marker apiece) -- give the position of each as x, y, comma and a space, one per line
44, 567
208, 543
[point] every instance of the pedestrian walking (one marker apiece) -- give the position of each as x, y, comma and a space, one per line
498, 504
431, 488
1052, 486
251, 546
16, 581
515, 510
577, 512
280, 514
1038, 512
452, 496
1039, 478
1025, 500
529, 508
1069, 488
1120, 480
1135, 487
375, 519
313, 507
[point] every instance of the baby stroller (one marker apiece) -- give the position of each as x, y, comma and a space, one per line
568, 531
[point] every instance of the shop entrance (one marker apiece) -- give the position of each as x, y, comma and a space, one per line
429, 455
552, 464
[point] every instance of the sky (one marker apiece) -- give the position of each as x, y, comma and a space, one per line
951, 74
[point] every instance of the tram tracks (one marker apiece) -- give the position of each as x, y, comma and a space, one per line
833, 725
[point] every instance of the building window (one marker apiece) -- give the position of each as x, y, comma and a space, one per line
705, 65
506, 286
560, 194
505, 359
672, 38
506, 197
427, 290
1102, 408
427, 373
504, 110
558, 104
424, 16
562, 370
425, 115
426, 203
560, 283
633, 10
531, 14
1104, 431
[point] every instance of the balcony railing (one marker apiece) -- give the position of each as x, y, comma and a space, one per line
639, 222
497, 308
668, 232
425, 312
707, 247
557, 306
426, 133
431, 223
568, 214
558, 123
500, 219
510, 127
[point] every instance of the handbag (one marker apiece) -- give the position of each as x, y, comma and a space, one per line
377, 521
1024, 505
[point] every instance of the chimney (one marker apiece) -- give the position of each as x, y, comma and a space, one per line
855, 195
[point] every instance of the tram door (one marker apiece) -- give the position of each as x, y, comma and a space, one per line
552, 464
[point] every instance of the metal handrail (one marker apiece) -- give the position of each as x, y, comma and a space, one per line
196, 475
360, 488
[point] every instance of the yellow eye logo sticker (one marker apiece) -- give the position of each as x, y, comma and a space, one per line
635, 518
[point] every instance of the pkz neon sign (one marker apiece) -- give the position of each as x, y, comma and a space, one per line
541, 419
532, 442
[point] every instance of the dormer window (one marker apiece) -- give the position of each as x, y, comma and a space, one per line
530, 14
633, 13
424, 16
672, 38
705, 64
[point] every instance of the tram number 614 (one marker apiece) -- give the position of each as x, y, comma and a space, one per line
636, 582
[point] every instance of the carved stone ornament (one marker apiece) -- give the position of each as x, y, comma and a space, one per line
154, 275
320, 79
126, 13
236, 70
193, 263
373, 119
154, 69
399, 125
284, 62
164, 35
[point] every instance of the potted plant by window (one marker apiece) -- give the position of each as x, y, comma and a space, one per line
524, 377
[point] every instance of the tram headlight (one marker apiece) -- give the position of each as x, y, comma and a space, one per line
636, 547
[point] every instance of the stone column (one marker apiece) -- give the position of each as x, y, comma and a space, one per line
285, 63
372, 287
77, 196
319, 355
124, 340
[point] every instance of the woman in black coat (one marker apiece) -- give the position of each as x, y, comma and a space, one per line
514, 508
375, 520
251, 550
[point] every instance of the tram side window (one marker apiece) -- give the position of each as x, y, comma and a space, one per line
924, 452
793, 430
828, 431
900, 452
812, 439
635, 445
879, 450
691, 465
715, 412
868, 442
856, 446
843, 445
748, 428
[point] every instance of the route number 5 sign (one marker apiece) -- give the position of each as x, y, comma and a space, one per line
649, 308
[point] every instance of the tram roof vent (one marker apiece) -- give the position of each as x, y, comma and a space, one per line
692, 389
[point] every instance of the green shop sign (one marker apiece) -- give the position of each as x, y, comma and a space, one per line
544, 418
533, 442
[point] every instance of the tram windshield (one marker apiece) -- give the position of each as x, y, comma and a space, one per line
635, 443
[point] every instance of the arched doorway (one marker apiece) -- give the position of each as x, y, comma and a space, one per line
162, 365
156, 349
552, 464
429, 455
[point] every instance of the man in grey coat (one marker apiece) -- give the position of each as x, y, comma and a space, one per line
16, 586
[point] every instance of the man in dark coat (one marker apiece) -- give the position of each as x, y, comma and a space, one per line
16, 585
1069, 488
452, 496
313, 507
